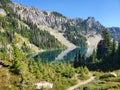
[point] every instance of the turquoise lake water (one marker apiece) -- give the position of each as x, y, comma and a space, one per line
50, 56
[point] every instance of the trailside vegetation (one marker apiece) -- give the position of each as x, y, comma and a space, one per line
105, 61
23, 73
106, 57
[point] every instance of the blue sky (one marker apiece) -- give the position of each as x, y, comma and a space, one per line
107, 12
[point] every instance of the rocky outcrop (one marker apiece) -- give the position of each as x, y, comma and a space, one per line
112, 74
92, 43
46, 85
39, 17
80, 27
53, 19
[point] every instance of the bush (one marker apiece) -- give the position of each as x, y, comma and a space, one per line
107, 75
69, 72
72, 82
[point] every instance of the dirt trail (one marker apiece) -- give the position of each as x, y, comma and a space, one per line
81, 83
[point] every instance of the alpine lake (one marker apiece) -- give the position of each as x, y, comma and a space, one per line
51, 56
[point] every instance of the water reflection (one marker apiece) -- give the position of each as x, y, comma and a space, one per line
50, 56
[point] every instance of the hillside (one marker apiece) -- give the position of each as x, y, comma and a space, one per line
41, 30
75, 30
52, 30
27, 35
115, 33
26, 31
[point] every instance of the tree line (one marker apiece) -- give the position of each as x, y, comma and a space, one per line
106, 57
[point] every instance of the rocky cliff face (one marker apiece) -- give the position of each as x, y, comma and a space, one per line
39, 17
53, 19
115, 33
75, 30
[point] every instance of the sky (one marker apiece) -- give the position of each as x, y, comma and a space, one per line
107, 12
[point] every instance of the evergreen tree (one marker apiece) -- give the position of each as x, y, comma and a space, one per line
113, 54
93, 57
79, 60
118, 56
16, 59
106, 52
104, 46
26, 77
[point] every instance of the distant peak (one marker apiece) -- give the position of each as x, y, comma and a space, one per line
57, 14
115, 27
90, 18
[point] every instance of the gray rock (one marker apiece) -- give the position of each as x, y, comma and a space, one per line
113, 74
86, 27
2, 12
53, 19
44, 84
115, 33
1, 66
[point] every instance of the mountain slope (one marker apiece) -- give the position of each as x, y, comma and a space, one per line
59, 36
75, 30
115, 33
26, 34
69, 32
53, 19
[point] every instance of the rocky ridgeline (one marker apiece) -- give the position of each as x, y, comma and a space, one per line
87, 27
52, 19
38, 16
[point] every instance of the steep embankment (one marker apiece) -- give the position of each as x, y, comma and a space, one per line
92, 43
45, 21
59, 36
75, 30
115, 33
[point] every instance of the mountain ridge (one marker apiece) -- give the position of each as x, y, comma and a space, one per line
51, 19
78, 31
79, 27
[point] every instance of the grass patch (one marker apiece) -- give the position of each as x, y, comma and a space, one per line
103, 82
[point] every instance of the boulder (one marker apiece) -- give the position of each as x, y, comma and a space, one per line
44, 84
1, 66
113, 74
2, 12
